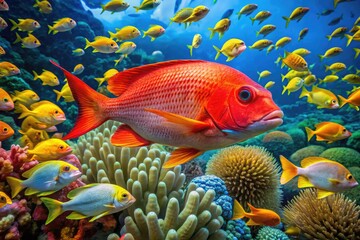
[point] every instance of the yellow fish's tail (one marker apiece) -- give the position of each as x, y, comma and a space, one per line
321, 81
24, 111
51, 29
349, 39
282, 77
15, 25
329, 37
287, 21
327, 68
112, 35
36, 3
101, 80
252, 20
212, 32
357, 52
191, 49
289, 170
144, 34
309, 132
18, 39
15, 185
257, 33
58, 95
87, 43
342, 101
54, 207
238, 211
321, 57
36, 76
218, 52
103, 8
259, 76
304, 93
284, 90
137, 9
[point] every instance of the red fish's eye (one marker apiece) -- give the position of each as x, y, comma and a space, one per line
245, 95
61, 147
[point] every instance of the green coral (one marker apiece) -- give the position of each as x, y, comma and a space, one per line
269, 233
346, 156
309, 151
354, 140
298, 136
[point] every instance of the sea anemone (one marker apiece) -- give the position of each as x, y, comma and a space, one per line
251, 175
334, 217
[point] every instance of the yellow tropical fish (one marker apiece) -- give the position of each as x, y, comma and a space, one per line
270, 48
126, 48
328, 131
261, 44
197, 39
339, 32
2, 51
107, 75
321, 97
114, 6
332, 52
6, 103
247, 10
154, 32
297, 14
27, 25
48, 78
5, 131
49, 149
231, 49
260, 16
263, 74
352, 78
44, 6
327, 176
3, 24
353, 99
4, 199
26, 97
31, 122
78, 52
181, 15
357, 52
328, 79
78, 69
28, 42
269, 84
309, 80
295, 62
293, 85
62, 25
93, 200
65, 92
303, 33
197, 14
301, 51
355, 37
147, 5
8, 69
220, 27
44, 111
335, 67
266, 30
282, 42
102, 45
292, 73
36, 136
125, 33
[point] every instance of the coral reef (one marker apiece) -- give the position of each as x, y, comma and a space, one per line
346, 156
354, 140
191, 170
334, 217
309, 151
237, 230
278, 142
195, 217
251, 175
269, 233
298, 137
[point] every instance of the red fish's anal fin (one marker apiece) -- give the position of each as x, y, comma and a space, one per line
181, 156
126, 137
91, 105
191, 125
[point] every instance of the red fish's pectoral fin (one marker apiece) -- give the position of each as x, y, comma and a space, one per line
251, 223
323, 193
304, 182
191, 125
126, 137
181, 156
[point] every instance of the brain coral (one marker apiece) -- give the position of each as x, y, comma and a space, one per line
251, 175
354, 140
278, 142
346, 156
334, 217
309, 151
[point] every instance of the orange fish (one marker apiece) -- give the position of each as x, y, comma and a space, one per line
328, 131
327, 176
5, 131
191, 104
353, 99
6, 103
258, 216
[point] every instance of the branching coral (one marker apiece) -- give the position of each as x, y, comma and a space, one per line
195, 217
334, 217
269, 233
251, 175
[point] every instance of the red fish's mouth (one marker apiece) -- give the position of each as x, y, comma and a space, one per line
276, 115
268, 122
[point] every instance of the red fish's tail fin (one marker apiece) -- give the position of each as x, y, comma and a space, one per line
289, 170
238, 211
91, 105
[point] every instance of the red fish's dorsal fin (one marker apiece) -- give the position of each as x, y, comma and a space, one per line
322, 124
312, 160
252, 208
120, 82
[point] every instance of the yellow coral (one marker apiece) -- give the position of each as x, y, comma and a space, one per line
251, 175
334, 217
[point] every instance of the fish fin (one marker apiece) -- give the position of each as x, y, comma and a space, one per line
15, 25
303, 182
99, 216
342, 101
54, 207
282, 77
323, 193
87, 43
31, 191
212, 32
15, 185
191, 124
349, 39
334, 181
73, 193
357, 52
306, 162
24, 111
321, 57
218, 52
319, 125
309, 133
191, 49
318, 138
109, 205
45, 193
103, 8
287, 21
238, 211
289, 170
126, 137
76, 216
181, 156
137, 9
304, 93
229, 59
252, 20
91, 105
58, 94
284, 90
251, 223
152, 39
121, 81
18, 38
252, 208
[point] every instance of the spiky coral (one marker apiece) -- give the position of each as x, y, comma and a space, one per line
251, 175
334, 217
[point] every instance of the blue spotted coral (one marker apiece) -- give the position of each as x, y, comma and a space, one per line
269, 233
237, 230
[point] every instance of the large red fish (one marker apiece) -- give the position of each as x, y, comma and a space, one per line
194, 105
